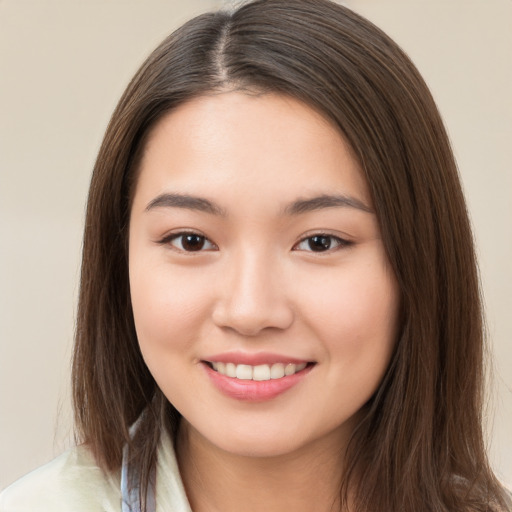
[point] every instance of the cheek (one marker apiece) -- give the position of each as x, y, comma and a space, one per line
167, 318
167, 307
355, 314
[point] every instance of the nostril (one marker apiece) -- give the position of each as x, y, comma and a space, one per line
250, 320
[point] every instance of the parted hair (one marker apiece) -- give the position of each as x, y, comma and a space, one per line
419, 446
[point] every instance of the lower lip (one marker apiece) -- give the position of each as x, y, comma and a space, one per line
254, 390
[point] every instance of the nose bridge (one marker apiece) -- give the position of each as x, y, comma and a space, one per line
253, 297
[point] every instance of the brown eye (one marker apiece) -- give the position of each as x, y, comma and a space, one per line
189, 242
321, 243
192, 242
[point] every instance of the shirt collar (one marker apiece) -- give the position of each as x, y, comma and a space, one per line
170, 492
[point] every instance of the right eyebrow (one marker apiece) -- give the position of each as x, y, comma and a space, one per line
186, 201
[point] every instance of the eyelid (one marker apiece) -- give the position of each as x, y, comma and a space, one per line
170, 237
342, 242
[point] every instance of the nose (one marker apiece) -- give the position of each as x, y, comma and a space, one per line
252, 297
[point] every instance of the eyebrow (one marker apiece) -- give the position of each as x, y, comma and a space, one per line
325, 201
297, 207
185, 201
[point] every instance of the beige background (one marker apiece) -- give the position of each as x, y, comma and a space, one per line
64, 64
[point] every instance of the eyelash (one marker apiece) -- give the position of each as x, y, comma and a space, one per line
340, 242
176, 236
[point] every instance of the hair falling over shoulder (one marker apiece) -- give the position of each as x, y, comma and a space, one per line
419, 446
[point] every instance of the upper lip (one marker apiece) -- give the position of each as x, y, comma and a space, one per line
254, 359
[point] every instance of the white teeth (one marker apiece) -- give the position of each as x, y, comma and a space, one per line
230, 370
289, 369
300, 367
277, 371
260, 372
243, 372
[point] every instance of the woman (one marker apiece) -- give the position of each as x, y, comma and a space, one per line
279, 301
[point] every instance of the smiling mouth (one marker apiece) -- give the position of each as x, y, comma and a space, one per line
262, 372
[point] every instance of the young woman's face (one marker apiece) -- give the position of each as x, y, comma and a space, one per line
264, 304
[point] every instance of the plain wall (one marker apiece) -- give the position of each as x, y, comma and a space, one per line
63, 66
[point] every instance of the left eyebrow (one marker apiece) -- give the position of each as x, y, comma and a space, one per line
325, 201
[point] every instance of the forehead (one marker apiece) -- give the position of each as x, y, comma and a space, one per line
235, 143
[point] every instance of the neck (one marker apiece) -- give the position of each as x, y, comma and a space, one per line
307, 480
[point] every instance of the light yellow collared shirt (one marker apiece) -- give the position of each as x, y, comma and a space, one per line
74, 483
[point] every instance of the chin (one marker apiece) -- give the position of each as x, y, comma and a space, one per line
258, 446
267, 440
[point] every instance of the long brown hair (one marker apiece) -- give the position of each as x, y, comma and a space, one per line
419, 446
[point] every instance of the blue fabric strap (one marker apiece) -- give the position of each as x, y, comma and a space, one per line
130, 488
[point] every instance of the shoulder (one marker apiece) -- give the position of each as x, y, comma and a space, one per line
72, 481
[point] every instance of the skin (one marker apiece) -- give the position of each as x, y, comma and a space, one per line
257, 286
